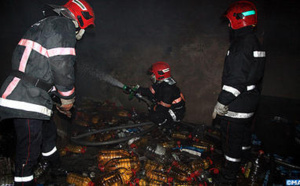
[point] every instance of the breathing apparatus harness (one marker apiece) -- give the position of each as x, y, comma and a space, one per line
39, 83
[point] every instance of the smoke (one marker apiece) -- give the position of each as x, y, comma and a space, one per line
85, 70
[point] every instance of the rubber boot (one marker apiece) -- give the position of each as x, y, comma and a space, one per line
228, 175
55, 165
30, 183
246, 156
42, 170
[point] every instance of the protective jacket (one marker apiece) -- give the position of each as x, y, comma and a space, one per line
242, 75
45, 53
168, 98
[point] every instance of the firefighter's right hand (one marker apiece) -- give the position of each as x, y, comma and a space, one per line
219, 109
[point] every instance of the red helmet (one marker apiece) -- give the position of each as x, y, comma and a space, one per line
82, 12
241, 14
160, 70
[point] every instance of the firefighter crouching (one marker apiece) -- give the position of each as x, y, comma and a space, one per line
169, 101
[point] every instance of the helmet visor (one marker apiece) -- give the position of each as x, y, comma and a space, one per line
149, 71
63, 11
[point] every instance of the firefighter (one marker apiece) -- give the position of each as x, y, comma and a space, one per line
169, 104
241, 87
42, 63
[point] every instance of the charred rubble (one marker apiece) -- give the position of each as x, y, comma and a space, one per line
106, 144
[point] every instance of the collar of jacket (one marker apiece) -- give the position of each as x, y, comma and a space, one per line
168, 80
241, 32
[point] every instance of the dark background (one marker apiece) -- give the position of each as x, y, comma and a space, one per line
190, 35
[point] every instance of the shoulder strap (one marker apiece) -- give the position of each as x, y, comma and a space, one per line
34, 81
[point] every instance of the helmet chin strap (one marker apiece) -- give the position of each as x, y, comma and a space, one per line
79, 33
153, 78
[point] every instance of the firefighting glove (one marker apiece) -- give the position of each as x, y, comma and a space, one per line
134, 90
65, 107
219, 109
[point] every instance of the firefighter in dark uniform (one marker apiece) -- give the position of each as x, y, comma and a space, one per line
169, 101
42, 63
241, 87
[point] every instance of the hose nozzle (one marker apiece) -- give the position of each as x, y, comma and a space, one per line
127, 88
131, 90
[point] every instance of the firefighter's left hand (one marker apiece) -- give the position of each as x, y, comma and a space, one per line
219, 109
64, 111
65, 107
132, 89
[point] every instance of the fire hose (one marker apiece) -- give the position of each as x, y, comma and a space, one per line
132, 93
78, 139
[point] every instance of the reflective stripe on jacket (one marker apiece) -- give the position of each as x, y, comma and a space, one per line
46, 52
167, 97
242, 75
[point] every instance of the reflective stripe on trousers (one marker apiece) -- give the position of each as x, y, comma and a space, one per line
50, 152
24, 179
246, 148
232, 159
173, 115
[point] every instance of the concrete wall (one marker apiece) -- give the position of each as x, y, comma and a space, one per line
190, 35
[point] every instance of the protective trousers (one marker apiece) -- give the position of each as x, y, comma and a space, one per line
160, 118
236, 144
33, 137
